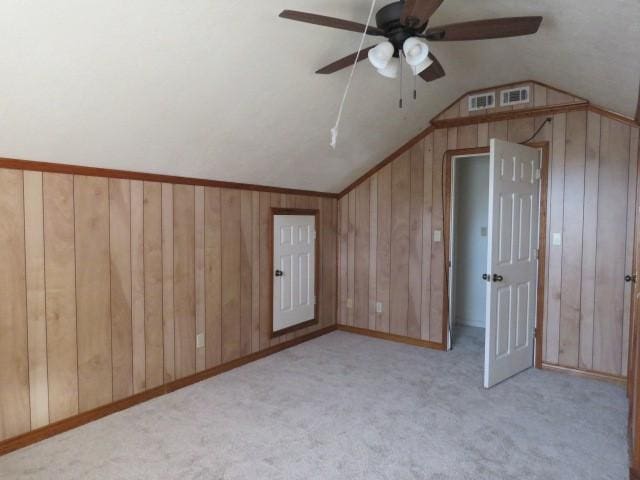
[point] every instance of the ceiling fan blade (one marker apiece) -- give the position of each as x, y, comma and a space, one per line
329, 22
484, 29
418, 12
434, 71
345, 62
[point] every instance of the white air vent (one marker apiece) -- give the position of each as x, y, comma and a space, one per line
514, 96
482, 101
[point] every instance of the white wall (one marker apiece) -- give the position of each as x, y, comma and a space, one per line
470, 254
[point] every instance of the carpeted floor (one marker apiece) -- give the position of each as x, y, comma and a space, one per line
345, 406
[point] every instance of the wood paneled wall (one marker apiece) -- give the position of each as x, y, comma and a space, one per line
387, 253
105, 283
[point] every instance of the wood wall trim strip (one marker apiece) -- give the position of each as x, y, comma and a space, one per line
394, 338
637, 117
39, 434
19, 164
586, 374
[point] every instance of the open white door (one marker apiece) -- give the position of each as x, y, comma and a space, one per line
512, 265
294, 276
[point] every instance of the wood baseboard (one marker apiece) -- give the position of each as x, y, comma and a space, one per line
34, 436
586, 374
394, 338
634, 473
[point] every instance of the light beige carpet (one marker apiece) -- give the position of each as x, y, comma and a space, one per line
350, 407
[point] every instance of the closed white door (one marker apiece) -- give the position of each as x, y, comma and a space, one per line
294, 264
512, 265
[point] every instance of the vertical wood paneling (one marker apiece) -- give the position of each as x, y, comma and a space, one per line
213, 279
361, 253
589, 243
414, 327
499, 130
351, 259
255, 271
520, 129
91, 202
343, 259
36, 319
483, 135
60, 296
246, 268
383, 260
373, 249
574, 174
426, 237
265, 270
137, 286
554, 252
184, 279
539, 95
120, 256
15, 417
167, 283
611, 237
437, 249
200, 277
400, 206
231, 265
152, 240
467, 136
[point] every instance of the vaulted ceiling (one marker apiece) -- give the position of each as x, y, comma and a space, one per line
226, 90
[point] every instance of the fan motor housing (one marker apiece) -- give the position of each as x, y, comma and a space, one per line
388, 19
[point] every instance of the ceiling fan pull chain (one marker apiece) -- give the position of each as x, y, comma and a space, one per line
334, 130
415, 92
401, 69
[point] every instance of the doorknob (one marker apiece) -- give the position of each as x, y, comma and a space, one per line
630, 278
497, 278
279, 273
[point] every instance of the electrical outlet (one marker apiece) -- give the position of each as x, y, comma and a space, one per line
557, 239
437, 235
483, 231
379, 307
200, 340
349, 303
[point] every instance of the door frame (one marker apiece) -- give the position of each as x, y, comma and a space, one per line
543, 147
295, 211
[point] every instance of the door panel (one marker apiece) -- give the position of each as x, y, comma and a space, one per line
511, 260
294, 258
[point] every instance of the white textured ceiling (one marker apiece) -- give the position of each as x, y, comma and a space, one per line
226, 90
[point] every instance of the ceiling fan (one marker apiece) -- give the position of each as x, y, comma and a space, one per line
404, 24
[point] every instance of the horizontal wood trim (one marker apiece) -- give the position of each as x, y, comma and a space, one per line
613, 115
586, 374
17, 164
403, 149
509, 115
394, 338
39, 434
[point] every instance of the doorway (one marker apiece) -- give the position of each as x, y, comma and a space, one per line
512, 250
469, 230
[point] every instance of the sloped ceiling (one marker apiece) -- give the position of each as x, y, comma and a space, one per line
226, 90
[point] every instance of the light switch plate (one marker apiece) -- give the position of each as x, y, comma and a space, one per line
483, 231
379, 307
556, 239
349, 303
437, 235
200, 340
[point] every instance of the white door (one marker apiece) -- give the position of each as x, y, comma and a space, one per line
294, 265
512, 265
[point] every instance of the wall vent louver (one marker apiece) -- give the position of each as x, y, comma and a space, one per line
514, 96
482, 101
